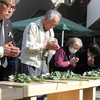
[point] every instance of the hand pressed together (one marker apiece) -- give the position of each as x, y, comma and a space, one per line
10, 50
74, 60
52, 45
90, 61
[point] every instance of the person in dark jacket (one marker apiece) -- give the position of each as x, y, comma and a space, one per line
7, 44
88, 59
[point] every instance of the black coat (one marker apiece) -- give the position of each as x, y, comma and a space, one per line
8, 38
8, 34
82, 65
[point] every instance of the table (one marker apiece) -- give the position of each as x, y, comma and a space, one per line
67, 90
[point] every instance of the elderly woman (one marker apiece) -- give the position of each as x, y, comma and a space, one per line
65, 58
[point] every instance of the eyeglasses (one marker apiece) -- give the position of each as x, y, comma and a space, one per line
9, 6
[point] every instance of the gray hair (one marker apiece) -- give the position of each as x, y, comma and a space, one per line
16, 1
51, 13
75, 41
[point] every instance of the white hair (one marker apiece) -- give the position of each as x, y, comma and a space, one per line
75, 41
51, 13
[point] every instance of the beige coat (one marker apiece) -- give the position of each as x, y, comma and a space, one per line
32, 44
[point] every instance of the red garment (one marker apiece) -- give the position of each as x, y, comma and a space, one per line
59, 58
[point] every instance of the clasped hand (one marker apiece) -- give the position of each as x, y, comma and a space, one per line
10, 50
74, 60
52, 45
90, 61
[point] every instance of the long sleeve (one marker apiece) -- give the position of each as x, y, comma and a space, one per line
59, 58
82, 64
31, 39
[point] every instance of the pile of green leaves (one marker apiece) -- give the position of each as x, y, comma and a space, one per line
57, 75
23, 78
92, 73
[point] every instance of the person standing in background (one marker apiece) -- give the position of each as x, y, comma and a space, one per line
7, 45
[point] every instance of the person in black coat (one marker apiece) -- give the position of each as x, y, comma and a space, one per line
88, 59
7, 44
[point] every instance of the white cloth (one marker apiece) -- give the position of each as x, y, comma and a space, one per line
1, 51
2, 42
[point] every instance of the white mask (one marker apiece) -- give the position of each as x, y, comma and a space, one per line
72, 50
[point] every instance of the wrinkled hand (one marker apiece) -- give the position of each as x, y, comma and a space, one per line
74, 60
90, 61
52, 45
10, 50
